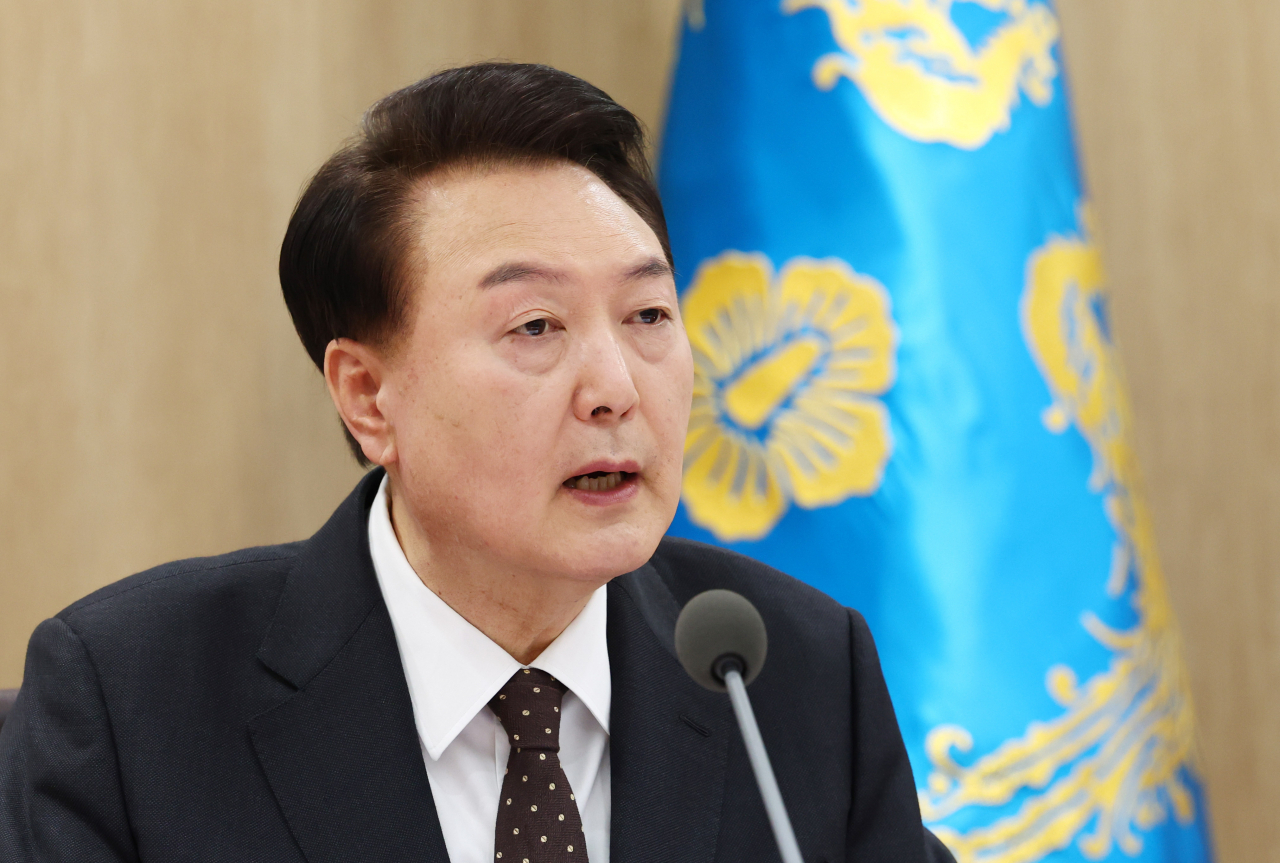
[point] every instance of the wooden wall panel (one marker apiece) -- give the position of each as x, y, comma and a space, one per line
157, 403
1178, 109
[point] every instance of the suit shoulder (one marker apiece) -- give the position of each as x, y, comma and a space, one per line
185, 588
690, 567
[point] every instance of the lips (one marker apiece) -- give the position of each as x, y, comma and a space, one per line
604, 476
598, 480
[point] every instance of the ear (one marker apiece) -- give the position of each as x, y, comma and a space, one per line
355, 374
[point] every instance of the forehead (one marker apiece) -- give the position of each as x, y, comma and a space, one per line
560, 213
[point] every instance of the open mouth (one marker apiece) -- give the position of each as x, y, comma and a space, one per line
598, 480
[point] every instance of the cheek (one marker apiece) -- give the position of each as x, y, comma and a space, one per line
671, 394
501, 427
448, 406
680, 374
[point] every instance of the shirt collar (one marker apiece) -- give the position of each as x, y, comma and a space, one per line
452, 668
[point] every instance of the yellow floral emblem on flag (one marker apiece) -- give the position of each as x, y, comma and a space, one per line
921, 74
787, 371
1111, 763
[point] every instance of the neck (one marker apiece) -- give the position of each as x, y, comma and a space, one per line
522, 612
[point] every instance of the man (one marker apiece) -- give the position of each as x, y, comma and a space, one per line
472, 660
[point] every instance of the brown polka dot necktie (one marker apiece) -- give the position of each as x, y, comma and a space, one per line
538, 819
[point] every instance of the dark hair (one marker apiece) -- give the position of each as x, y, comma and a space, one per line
342, 261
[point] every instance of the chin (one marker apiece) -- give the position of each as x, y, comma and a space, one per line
600, 561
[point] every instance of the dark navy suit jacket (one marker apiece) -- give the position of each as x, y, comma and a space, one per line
253, 707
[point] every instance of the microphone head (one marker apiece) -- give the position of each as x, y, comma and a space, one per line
715, 624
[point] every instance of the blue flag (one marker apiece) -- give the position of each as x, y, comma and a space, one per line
907, 395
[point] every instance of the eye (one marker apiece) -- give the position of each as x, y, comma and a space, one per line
651, 316
536, 327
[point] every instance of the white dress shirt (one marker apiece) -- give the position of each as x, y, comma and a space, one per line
454, 669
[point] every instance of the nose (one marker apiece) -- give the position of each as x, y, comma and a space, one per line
606, 391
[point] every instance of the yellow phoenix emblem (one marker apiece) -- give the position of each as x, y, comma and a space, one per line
787, 371
921, 74
1113, 759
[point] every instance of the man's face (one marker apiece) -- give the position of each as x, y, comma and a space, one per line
540, 397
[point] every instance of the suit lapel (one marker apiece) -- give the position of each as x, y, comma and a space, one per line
668, 736
341, 753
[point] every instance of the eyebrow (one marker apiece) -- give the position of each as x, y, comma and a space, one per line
515, 271
652, 268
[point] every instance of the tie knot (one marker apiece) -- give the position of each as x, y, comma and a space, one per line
528, 706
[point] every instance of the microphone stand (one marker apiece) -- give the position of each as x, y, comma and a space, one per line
729, 669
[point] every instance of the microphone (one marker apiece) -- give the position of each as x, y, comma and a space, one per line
721, 641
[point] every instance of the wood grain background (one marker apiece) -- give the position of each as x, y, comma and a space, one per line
157, 405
